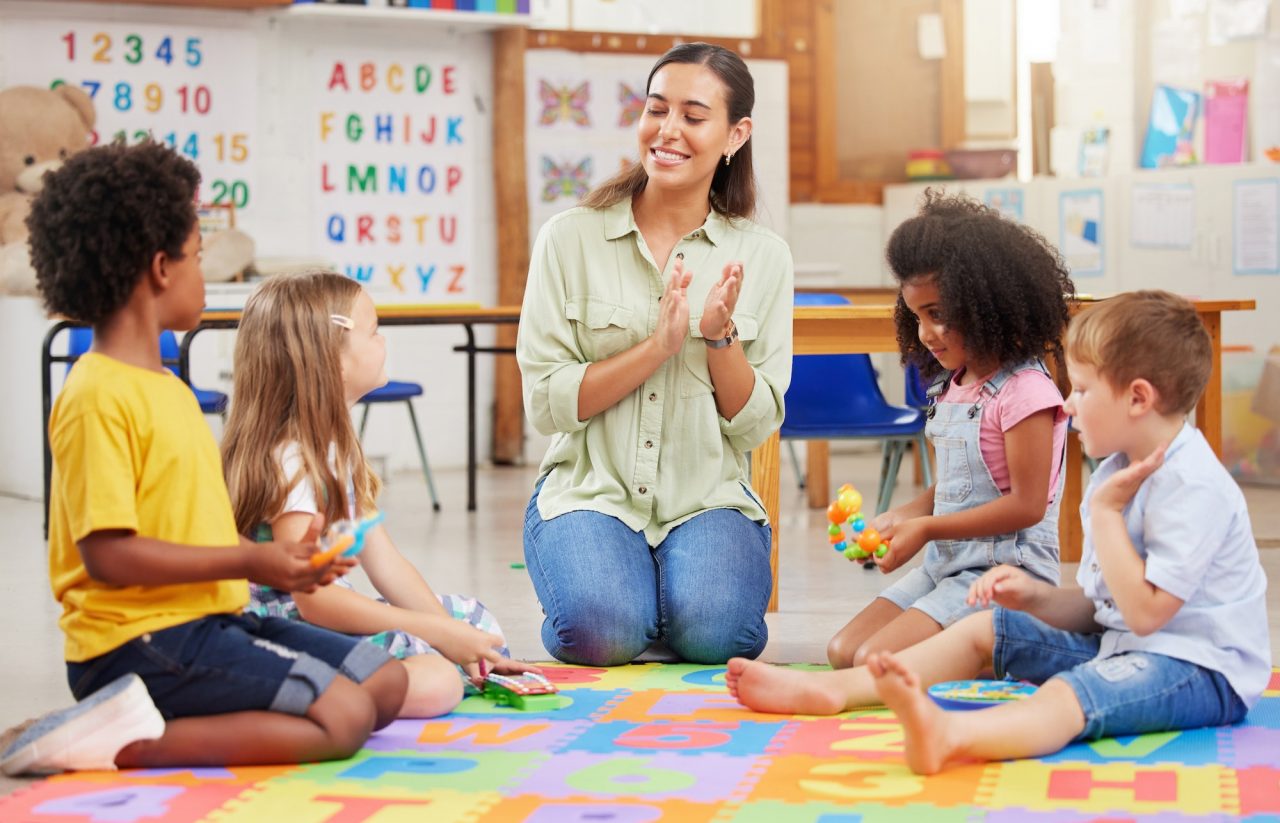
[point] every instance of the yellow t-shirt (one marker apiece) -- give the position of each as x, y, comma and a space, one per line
131, 451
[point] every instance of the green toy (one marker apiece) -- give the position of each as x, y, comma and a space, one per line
528, 692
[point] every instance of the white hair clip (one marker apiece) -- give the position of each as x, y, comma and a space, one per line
342, 320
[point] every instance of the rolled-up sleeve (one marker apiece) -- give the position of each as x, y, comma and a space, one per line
769, 355
551, 364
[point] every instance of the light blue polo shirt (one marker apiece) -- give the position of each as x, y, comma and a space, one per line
1190, 524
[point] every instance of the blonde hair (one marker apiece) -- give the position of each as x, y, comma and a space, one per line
1151, 335
288, 388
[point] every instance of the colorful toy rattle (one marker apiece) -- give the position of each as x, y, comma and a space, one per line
345, 537
529, 692
863, 540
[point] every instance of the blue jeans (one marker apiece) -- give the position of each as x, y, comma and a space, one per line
607, 595
1125, 694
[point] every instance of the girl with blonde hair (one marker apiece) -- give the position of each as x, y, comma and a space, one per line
307, 351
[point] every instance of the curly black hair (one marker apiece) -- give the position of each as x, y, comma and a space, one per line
102, 217
1002, 286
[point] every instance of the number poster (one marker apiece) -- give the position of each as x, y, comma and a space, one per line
395, 136
192, 87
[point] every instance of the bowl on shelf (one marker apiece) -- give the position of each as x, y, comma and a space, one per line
977, 164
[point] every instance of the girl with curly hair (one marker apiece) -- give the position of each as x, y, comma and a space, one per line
983, 300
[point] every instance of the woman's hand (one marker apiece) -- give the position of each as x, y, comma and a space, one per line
673, 314
721, 301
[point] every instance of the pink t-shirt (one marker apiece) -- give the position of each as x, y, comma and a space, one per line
1024, 394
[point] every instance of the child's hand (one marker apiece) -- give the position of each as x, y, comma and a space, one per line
1007, 586
287, 566
508, 666
905, 539
885, 521
1119, 488
475, 651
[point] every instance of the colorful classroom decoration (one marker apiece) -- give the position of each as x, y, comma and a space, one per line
581, 112
1171, 128
193, 87
1080, 229
395, 132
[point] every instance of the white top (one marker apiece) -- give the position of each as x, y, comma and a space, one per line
302, 497
1190, 524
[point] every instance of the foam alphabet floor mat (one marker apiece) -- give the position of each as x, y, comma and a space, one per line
661, 742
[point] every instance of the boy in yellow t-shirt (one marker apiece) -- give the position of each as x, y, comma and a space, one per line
143, 551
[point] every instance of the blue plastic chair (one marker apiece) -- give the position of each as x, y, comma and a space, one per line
400, 392
837, 397
211, 401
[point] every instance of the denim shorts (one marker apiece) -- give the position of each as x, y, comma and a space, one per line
943, 600
232, 663
1125, 694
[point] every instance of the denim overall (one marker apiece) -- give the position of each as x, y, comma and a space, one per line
964, 482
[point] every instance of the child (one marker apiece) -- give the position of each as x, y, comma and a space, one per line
1169, 627
307, 351
982, 300
143, 551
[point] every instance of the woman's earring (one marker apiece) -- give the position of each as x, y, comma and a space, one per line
726, 159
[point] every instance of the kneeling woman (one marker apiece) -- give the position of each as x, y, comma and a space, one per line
655, 345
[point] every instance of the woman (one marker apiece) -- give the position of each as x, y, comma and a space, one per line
655, 345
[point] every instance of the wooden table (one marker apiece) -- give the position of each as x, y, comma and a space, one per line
870, 329
398, 315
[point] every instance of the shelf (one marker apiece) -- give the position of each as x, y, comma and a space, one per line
462, 20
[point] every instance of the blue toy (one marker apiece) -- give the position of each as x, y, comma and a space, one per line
978, 694
345, 537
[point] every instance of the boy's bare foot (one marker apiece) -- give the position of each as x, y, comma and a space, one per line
924, 723
765, 688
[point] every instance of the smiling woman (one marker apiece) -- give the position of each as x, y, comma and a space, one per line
655, 345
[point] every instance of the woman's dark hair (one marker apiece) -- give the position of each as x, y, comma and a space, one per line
1002, 286
102, 217
733, 188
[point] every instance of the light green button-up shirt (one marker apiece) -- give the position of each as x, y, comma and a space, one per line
662, 454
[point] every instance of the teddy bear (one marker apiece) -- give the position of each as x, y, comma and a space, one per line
39, 129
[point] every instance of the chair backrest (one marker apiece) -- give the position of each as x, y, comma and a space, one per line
82, 340
916, 390
831, 389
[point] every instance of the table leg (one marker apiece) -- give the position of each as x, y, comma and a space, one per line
1070, 532
765, 467
1209, 409
817, 473
471, 417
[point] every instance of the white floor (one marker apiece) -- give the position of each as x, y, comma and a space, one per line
475, 553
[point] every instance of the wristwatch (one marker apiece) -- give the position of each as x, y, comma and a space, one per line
726, 341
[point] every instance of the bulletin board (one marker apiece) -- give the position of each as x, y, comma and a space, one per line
581, 112
194, 87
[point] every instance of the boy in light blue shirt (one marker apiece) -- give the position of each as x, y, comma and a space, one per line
1168, 629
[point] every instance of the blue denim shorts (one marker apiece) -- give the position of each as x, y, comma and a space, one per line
232, 663
943, 600
1125, 694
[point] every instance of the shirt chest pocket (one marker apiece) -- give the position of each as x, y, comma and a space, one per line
695, 377
603, 329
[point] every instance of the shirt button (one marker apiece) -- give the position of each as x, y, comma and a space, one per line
644, 489
1110, 605
653, 396
679, 255
648, 444
1094, 567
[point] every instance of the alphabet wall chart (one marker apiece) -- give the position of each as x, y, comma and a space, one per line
394, 135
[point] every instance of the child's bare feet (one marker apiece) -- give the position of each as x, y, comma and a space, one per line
765, 688
925, 725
